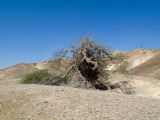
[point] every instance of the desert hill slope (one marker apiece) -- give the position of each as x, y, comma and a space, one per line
142, 51
17, 71
149, 68
138, 56
142, 62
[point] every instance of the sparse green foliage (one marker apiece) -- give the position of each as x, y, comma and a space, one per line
123, 68
35, 77
158, 77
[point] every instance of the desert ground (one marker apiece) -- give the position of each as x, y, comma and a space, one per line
42, 102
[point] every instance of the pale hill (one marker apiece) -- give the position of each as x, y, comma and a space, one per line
17, 71
149, 68
14, 73
140, 56
135, 57
142, 51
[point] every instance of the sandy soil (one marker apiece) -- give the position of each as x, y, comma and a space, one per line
9, 81
142, 86
37, 102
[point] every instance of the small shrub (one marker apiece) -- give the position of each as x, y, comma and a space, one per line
123, 68
35, 77
117, 55
158, 77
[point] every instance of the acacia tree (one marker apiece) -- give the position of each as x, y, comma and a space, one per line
87, 66
87, 63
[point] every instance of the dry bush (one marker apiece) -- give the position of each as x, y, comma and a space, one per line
84, 67
87, 66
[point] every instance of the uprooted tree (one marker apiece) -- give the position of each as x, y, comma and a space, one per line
87, 66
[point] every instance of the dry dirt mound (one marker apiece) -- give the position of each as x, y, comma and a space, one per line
140, 56
136, 60
141, 51
140, 85
17, 71
150, 68
135, 57
56, 103
42, 65
146, 86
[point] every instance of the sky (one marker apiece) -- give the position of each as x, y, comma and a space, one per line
32, 30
